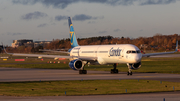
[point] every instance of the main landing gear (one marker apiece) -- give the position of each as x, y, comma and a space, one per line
83, 71
114, 71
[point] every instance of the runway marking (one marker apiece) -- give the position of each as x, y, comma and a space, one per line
101, 75
44, 71
146, 76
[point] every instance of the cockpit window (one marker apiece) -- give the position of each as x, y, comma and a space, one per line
138, 51
132, 51
128, 52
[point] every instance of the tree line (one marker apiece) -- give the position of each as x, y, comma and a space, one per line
157, 42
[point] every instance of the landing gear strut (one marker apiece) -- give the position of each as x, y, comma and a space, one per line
129, 72
82, 71
114, 71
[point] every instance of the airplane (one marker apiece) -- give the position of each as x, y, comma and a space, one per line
80, 56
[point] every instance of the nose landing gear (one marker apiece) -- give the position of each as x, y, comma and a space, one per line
129, 72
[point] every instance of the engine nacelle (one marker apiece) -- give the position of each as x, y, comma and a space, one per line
134, 66
76, 64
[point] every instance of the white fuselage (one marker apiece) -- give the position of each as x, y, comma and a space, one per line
109, 54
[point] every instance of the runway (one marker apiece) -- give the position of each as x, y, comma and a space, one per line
21, 74
166, 96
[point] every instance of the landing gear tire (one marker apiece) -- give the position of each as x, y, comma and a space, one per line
114, 71
82, 71
129, 73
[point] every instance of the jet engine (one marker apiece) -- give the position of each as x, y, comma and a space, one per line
134, 66
76, 64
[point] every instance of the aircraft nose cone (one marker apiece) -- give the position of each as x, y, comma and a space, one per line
137, 58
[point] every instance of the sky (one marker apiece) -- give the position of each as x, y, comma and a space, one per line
45, 20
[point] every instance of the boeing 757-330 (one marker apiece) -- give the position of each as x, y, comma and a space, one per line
80, 56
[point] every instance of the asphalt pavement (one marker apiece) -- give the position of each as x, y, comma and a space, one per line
21, 74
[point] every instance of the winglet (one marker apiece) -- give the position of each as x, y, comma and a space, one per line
5, 50
176, 46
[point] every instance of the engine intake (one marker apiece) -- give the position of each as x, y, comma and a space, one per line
76, 64
134, 66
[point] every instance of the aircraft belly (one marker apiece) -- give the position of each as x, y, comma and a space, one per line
113, 60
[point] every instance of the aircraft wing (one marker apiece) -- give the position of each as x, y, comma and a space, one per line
162, 53
84, 58
153, 54
54, 51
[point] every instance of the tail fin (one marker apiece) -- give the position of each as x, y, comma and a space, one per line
176, 45
73, 39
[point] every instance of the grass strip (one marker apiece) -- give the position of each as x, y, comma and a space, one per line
86, 87
149, 65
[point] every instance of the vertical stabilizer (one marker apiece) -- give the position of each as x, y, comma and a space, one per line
176, 45
73, 39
